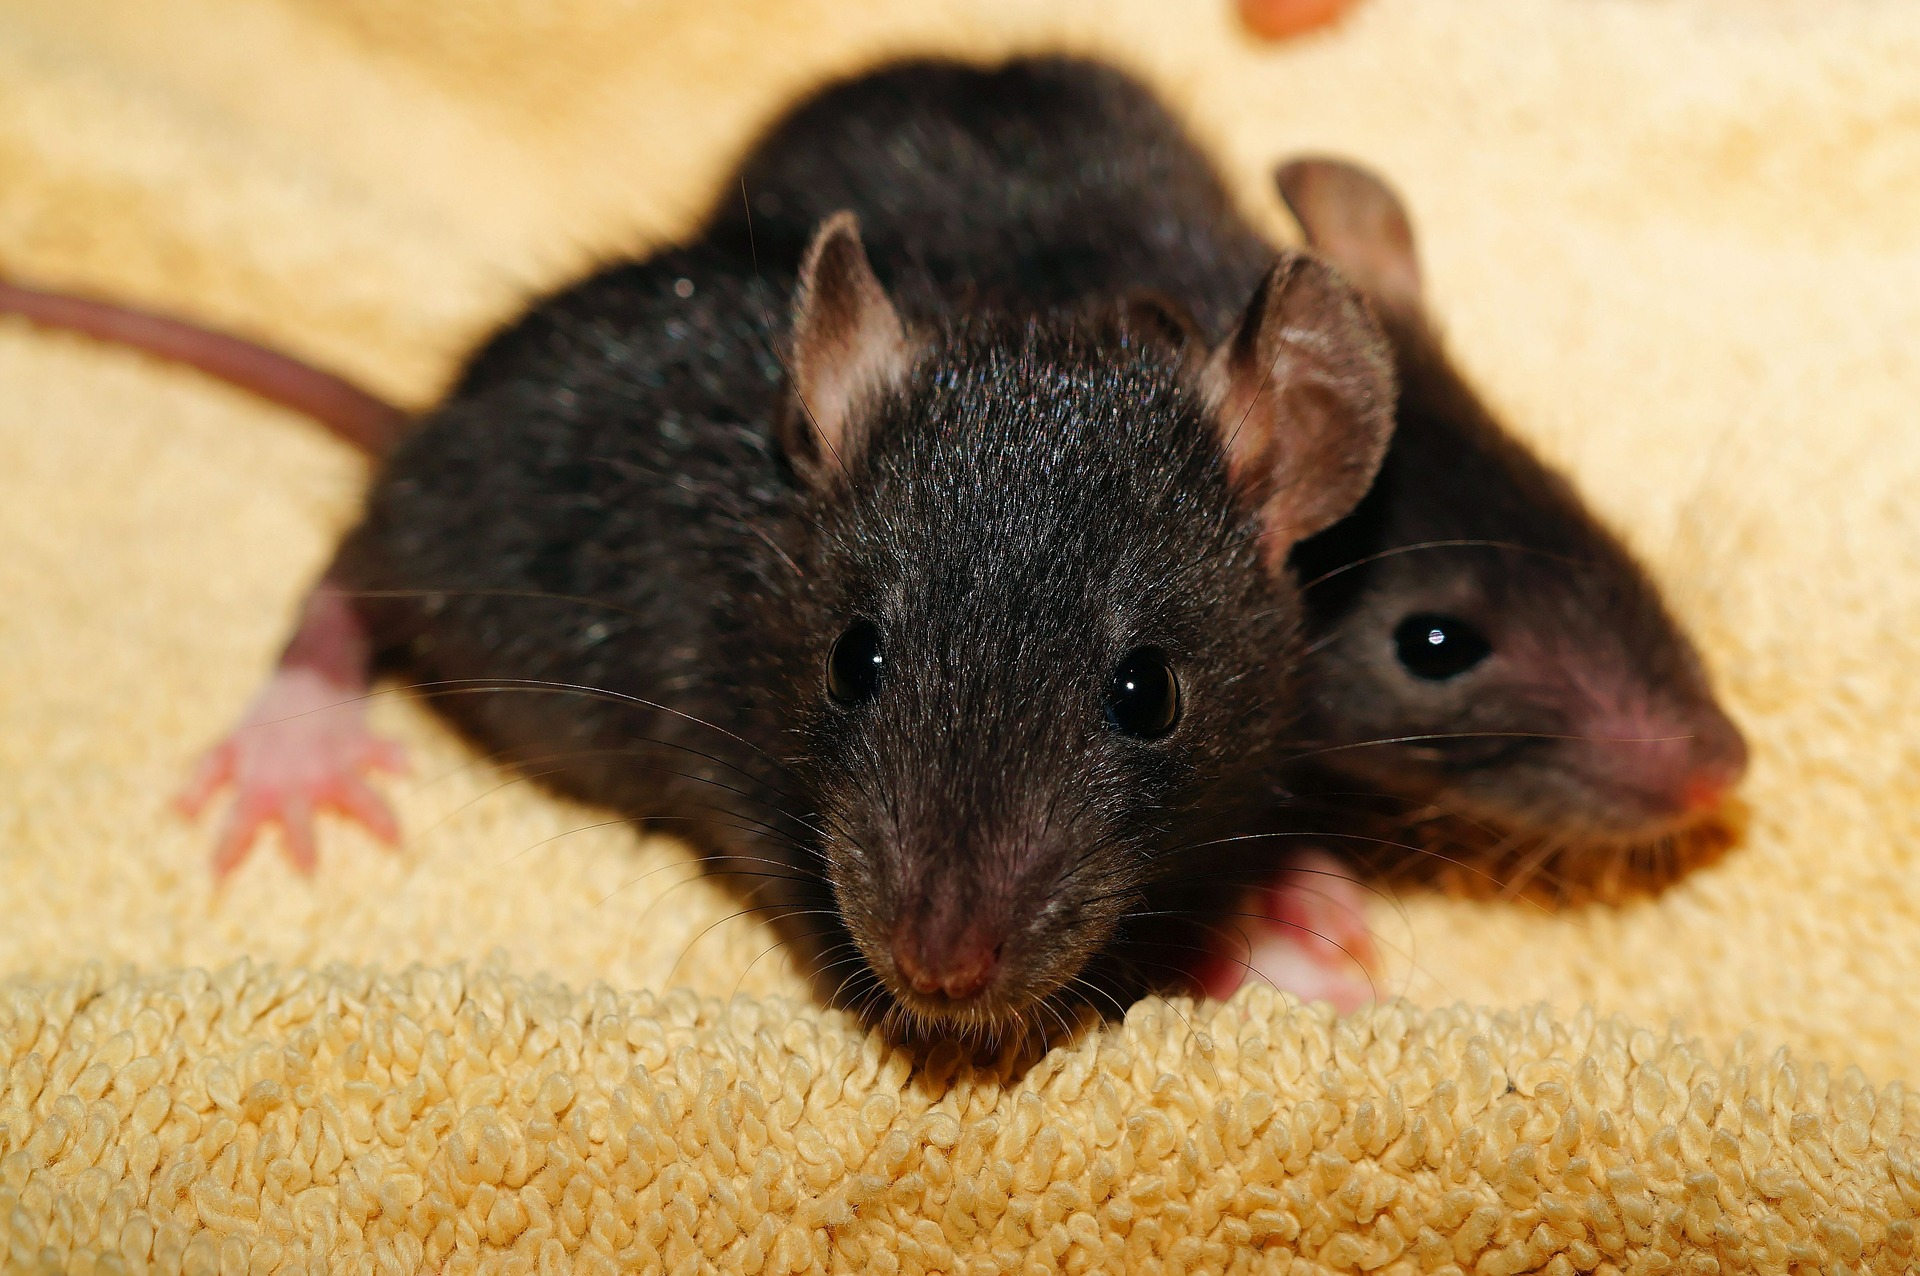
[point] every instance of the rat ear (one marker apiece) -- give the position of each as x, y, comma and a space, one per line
1355, 221
1302, 394
848, 345
1152, 318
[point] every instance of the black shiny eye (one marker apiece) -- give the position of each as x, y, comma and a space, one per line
853, 666
1144, 697
1439, 647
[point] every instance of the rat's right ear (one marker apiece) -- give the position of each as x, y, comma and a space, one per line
848, 346
1355, 221
1302, 395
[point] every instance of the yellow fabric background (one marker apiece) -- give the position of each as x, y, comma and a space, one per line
1678, 243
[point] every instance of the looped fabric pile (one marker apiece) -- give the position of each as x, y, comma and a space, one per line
1673, 240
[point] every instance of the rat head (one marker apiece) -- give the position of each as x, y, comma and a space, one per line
1044, 631
1504, 660
1521, 667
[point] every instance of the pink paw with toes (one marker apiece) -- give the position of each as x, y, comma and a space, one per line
1304, 931
302, 746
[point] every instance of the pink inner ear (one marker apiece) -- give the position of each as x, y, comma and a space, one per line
1302, 396
848, 341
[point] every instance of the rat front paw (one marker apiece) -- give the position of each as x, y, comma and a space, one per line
302, 746
1305, 932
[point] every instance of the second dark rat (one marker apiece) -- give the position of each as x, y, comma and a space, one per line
1498, 696
1487, 654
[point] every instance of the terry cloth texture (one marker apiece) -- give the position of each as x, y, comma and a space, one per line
1675, 240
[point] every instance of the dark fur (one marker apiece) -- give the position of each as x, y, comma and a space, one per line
606, 503
1046, 182
603, 504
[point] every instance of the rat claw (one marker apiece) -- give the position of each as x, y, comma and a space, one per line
236, 836
1318, 898
353, 797
213, 770
1295, 968
1306, 934
296, 827
389, 756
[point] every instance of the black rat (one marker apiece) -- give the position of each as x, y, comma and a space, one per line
952, 641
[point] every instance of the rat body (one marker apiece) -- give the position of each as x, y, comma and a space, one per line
956, 639
1066, 184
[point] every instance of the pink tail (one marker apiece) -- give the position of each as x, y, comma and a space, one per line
361, 419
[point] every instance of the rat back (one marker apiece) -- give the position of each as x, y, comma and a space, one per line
1049, 181
563, 557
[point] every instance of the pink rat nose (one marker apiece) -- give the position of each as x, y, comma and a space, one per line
1719, 758
1707, 787
1674, 764
952, 961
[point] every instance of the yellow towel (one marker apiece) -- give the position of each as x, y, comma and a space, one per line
439, 1120
1678, 241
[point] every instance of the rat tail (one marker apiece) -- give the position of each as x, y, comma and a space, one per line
363, 420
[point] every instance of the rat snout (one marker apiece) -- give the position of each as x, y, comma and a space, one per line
972, 928
942, 954
1672, 766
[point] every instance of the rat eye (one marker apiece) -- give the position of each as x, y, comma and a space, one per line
1439, 647
1144, 697
853, 666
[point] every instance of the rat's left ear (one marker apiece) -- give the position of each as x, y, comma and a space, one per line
1302, 394
848, 346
